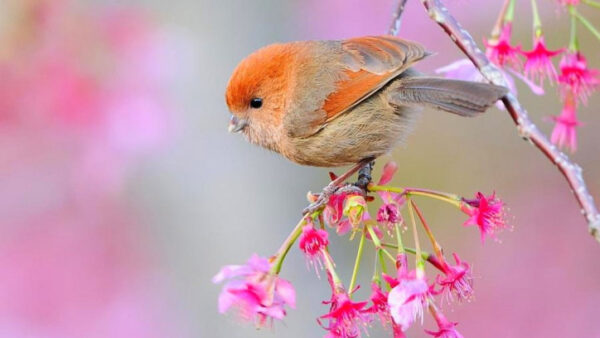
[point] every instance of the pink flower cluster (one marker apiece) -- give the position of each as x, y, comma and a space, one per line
576, 81
258, 295
397, 301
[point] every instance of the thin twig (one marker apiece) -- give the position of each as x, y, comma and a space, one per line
397, 18
527, 129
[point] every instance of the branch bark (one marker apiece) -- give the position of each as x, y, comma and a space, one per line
526, 128
397, 18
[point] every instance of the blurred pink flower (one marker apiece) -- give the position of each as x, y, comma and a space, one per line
345, 318
75, 273
75, 111
487, 213
569, 2
538, 65
565, 127
501, 52
312, 242
257, 295
463, 69
576, 78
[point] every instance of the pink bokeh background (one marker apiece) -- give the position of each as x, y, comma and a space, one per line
122, 193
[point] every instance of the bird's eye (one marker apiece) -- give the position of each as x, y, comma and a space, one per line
256, 102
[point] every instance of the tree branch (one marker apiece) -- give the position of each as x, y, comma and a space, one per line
397, 21
526, 128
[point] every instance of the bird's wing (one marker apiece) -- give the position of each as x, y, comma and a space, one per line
369, 64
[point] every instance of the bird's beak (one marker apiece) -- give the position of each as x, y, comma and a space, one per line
236, 125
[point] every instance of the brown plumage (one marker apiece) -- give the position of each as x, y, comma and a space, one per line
332, 103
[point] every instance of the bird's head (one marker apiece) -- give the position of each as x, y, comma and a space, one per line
259, 92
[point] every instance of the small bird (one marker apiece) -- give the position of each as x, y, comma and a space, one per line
334, 103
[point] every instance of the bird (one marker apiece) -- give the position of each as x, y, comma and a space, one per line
332, 103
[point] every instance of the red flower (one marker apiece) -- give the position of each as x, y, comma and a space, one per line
565, 131
334, 209
485, 212
380, 306
539, 64
457, 280
312, 242
346, 318
446, 328
500, 51
389, 216
257, 295
576, 78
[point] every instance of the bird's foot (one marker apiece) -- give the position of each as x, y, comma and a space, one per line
364, 176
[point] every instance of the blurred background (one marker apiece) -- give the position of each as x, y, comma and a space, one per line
123, 194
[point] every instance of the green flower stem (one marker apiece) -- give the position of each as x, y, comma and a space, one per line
588, 25
374, 237
510, 12
591, 3
436, 246
415, 234
399, 239
573, 42
389, 255
424, 254
537, 23
382, 261
285, 247
337, 282
499, 21
386, 188
378, 246
442, 196
357, 261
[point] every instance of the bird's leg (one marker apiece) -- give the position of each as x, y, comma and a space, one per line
334, 185
364, 176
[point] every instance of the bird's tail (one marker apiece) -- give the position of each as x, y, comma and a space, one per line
464, 98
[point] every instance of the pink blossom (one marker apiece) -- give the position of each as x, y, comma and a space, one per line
254, 292
565, 127
501, 52
389, 169
345, 318
334, 209
408, 295
406, 300
312, 242
446, 328
379, 303
538, 65
457, 280
485, 212
388, 215
576, 78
